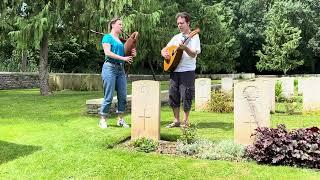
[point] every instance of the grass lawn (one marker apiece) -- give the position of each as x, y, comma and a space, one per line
53, 138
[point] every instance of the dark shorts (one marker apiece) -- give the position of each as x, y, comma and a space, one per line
181, 89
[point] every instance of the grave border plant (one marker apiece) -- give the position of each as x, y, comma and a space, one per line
278, 146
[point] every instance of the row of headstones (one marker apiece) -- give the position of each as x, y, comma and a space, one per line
252, 105
307, 87
253, 102
145, 104
203, 91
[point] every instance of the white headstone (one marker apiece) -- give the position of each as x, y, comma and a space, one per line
202, 93
227, 85
251, 110
270, 89
311, 94
145, 109
287, 87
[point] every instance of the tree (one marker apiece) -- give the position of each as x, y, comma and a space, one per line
47, 19
8, 53
149, 13
249, 23
220, 46
282, 40
314, 43
299, 14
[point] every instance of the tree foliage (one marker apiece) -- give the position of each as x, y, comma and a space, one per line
236, 35
220, 46
280, 51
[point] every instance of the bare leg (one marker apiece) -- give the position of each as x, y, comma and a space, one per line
120, 116
176, 113
186, 117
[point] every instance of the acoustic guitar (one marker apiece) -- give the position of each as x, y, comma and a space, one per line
175, 53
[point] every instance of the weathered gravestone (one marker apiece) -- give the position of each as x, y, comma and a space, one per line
287, 84
145, 109
251, 110
202, 93
270, 85
311, 95
227, 85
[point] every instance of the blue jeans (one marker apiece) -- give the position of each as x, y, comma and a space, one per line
113, 78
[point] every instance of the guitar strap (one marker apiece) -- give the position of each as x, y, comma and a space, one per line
184, 38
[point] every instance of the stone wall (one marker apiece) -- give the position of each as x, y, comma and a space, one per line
85, 82
17, 80
93, 105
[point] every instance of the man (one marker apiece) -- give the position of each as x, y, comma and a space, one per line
183, 77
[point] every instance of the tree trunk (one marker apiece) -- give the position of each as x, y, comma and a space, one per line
24, 56
150, 65
43, 66
313, 66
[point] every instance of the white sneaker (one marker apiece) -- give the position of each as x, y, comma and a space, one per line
122, 123
103, 124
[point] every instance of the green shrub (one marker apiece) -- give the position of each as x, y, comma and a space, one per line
220, 102
278, 92
290, 105
189, 149
145, 145
205, 149
223, 150
278, 146
295, 82
189, 133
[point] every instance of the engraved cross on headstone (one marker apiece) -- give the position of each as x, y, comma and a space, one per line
144, 91
144, 118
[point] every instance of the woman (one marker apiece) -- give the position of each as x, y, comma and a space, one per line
113, 74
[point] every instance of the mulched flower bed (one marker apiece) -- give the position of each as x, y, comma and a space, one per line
164, 147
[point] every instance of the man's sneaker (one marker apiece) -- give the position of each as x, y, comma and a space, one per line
102, 124
122, 123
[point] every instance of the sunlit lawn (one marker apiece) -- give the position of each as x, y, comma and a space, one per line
53, 138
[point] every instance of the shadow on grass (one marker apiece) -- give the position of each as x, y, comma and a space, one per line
169, 137
164, 123
11, 151
113, 144
285, 112
205, 125
216, 125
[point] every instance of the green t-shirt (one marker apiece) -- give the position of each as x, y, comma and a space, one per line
116, 47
